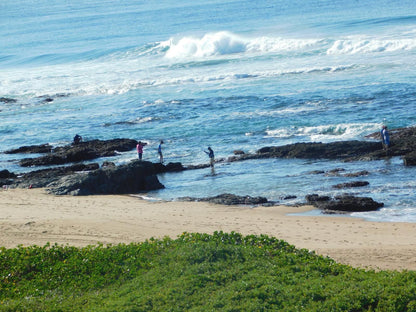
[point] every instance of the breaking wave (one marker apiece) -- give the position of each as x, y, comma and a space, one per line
325, 133
214, 57
227, 43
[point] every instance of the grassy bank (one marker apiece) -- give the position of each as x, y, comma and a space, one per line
195, 272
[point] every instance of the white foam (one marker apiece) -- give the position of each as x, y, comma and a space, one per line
224, 43
150, 65
367, 45
325, 133
220, 43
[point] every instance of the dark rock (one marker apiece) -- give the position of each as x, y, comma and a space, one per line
47, 100
234, 158
334, 150
55, 159
6, 174
4, 182
287, 197
134, 177
334, 172
80, 152
238, 152
410, 159
313, 198
42, 178
351, 184
7, 100
230, 199
403, 141
343, 204
108, 164
7, 177
32, 149
194, 167
84, 167
317, 172
170, 167
357, 174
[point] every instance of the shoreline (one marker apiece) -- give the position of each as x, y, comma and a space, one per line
33, 217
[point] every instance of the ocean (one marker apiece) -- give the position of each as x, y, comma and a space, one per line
233, 75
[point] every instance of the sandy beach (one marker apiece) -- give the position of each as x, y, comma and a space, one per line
33, 217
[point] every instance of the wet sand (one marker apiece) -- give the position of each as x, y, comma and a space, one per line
33, 217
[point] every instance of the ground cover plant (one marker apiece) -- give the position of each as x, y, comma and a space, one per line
195, 272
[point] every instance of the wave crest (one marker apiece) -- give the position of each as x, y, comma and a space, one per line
325, 133
355, 46
227, 43
224, 43
211, 44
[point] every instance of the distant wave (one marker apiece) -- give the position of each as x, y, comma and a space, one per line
132, 122
226, 43
52, 83
397, 20
214, 57
355, 46
220, 43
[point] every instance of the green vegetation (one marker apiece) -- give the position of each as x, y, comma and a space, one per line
195, 272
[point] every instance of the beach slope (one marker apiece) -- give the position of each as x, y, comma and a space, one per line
33, 217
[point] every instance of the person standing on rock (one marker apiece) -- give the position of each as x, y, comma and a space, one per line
139, 148
210, 154
385, 138
159, 151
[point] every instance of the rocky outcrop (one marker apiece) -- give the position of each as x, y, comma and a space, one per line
82, 151
230, 199
82, 179
403, 143
7, 100
54, 176
410, 159
351, 184
343, 203
6, 174
32, 149
170, 167
334, 150
6, 177
134, 177
357, 174
345, 150
42, 178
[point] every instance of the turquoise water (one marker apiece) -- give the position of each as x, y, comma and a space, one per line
227, 74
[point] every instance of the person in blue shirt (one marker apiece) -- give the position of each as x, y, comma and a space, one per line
211, 156
385, 138
159, 151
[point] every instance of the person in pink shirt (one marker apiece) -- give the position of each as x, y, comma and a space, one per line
139, 148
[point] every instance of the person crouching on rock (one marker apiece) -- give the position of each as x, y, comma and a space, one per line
77, 139
139, 148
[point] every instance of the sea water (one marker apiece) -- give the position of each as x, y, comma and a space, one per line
233, 75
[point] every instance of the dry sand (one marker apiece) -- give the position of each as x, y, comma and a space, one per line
33, 217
